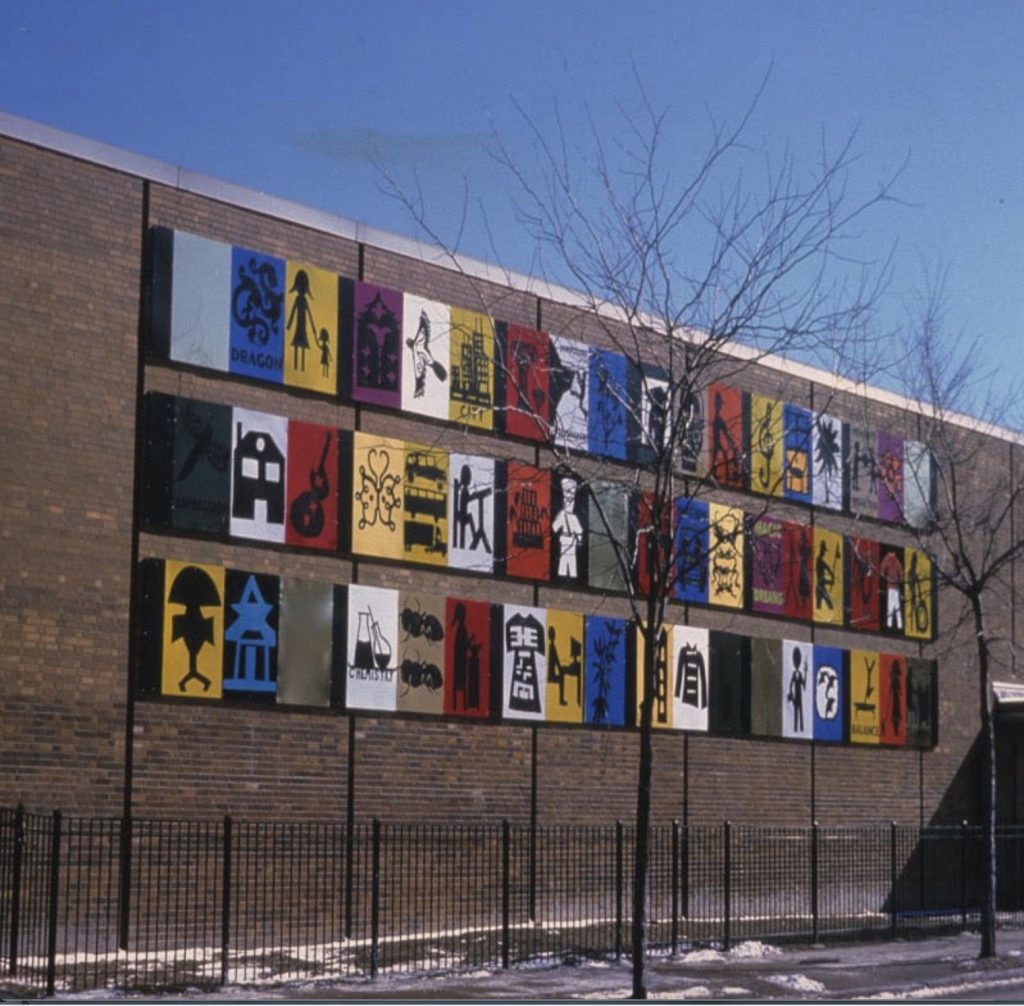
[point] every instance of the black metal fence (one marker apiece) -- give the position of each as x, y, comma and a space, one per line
102, 903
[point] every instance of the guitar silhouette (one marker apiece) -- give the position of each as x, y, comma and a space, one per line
307, 512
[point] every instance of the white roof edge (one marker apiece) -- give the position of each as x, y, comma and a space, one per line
149, 168
1008, 693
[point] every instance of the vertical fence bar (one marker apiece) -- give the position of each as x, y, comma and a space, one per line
618, 889
814, 882
963, 875
675, 887
375, 900
51, 936
225, 907
506, 881
16, 866
124, 890
727, 885
892, 880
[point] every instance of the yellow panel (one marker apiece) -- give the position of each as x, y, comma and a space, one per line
311, 329
378, 486
865, 691
917, 594
425, 482
828, 577
193, 634
472, 371
725, 580
661, 711
566, 667
766, 443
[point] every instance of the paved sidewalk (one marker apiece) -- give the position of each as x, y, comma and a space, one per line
907, 969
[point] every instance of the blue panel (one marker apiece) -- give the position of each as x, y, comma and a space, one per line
829, 693
257, 311
691, 551
608, 421
605, 690
797, 458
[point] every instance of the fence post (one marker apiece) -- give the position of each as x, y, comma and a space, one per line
51, 941
225, 895
506, 880
375, 901
675, 887
963, 875
814, 881
892, 879
618, 889
727, 885
124, 894
19, 852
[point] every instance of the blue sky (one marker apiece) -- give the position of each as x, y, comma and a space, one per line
293, 98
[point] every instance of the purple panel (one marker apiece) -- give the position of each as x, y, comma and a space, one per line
890, 481
377, 346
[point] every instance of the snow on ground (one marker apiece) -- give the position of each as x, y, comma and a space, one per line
796, 983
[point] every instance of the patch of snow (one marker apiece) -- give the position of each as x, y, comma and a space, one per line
692, 992
797, 983
702, 956
754, 950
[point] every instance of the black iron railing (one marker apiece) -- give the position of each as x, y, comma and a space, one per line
105, 903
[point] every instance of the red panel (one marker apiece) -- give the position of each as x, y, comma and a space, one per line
528, 525
467, 658
657, 550
725, 436
893, 700
862, 589
527, 383
797, 553
312, 520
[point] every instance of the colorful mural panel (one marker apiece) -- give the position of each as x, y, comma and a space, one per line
863, 584
725, 579
691, 672
865, 686
891, 580
467, 676
662, 703
798, 481
690, 431
693, 545
918, 484
767, 567
471, 397
605, 688
312, 486
829, 577
766, 446
798, 694
570, 396
829, 462
892, 699
311, 329
726, 436
257, 316
425, 505
471, 512
566, 674
862, 478
426, 356
423, 621
371, 648
528, 529
729, 706
608, 407
376, 346
524, 663
798, 555
258, 475
192, 658
524, 382
890, 483
829, 694
250, 634
653, 543
918, 595
609, 520
378, 473
648, 428
569, 524
921, 703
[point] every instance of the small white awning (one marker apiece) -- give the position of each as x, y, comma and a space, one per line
1009, 701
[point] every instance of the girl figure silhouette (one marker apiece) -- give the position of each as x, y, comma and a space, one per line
301, 315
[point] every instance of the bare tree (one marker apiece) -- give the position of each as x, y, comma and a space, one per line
693, 280
970, 536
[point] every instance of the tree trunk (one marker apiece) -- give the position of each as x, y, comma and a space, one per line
988, 790
643, 811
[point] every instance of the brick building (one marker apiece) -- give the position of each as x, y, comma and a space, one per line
280, 539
